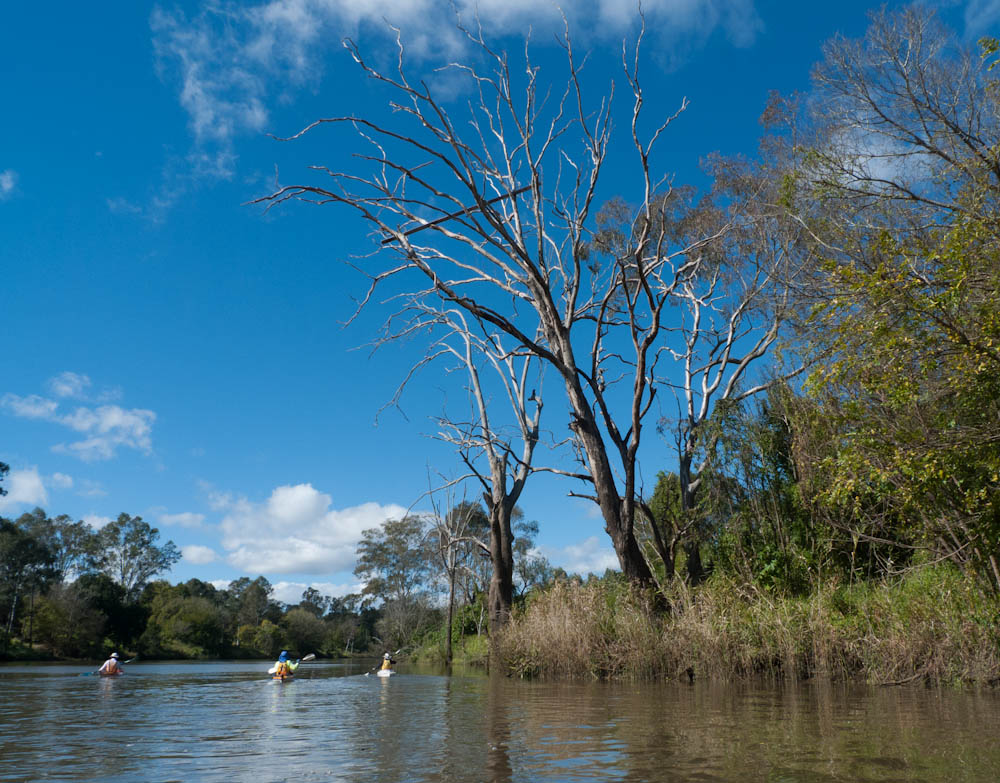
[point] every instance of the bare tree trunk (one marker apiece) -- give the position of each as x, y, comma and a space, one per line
451, 608
501, 592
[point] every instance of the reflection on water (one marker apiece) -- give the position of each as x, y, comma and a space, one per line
230, 722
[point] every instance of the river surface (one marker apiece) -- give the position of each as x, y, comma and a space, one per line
228, 722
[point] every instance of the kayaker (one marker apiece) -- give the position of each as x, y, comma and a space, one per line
111, 666
387, 662
284, 667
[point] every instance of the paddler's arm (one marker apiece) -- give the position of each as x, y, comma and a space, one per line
293, 665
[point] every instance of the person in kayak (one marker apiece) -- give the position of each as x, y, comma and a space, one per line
387, 662
284, 667
111, 666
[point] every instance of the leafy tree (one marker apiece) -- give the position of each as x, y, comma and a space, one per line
72, 543
314, 602
896, 177
250, 600
181, 624
269, 639
395, 563
4, 470
126, 550
124, 620
304, 631
68, 624
26, 565
393, 560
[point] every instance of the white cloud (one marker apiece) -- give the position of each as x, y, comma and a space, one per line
185, 519
69, 384
593, 555
8, 183
221, 584
24, 488
108, 426
96, 521
199, 555
296, 531
291, 592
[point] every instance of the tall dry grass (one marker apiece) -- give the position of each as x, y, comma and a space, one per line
935, 626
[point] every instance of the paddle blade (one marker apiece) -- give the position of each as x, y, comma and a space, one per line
309, 657
272, 670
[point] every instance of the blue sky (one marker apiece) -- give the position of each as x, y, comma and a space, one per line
172, 352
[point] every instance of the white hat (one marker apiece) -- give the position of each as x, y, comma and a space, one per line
114, 655
386, 655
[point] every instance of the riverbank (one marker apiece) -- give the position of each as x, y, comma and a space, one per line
933, 625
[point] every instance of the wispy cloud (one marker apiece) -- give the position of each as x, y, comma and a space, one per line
185, 519
8, 183
296, 531
69, 384
105, 428
981, 16
230, 63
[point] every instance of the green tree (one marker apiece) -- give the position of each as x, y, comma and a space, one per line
124, 620
126, 550
304, 631
395, 563
67, 623
72, 543
26, 566
269, 639
314, 602
183, 625
898, 181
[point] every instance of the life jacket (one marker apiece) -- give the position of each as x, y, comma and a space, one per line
282, 669
386, 663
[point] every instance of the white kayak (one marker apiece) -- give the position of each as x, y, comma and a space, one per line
384, 673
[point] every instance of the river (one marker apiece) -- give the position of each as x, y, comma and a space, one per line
226, 721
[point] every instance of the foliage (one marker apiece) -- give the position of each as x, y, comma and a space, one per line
126, 550
68, 624
27, 565
934, 626
904, 318
393, 561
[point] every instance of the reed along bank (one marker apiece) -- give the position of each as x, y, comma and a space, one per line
933, 625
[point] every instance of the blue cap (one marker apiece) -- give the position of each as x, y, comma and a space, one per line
283, 656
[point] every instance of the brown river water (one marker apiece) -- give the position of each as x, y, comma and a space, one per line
228, 722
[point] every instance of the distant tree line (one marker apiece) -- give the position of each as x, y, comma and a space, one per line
68, 590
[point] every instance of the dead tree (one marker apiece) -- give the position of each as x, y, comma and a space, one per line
507, 450
527, 265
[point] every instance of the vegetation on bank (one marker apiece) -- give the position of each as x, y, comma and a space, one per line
933, 625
